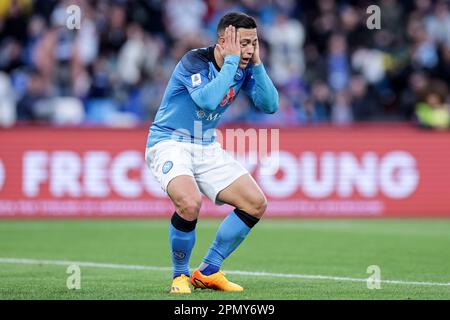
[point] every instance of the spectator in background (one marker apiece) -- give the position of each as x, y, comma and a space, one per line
7, 102
11, 55
365, 105
37, 29
370, 64
14, 15
132, 56
417, 83
311, 113
85, 51
113, 35
34, 105
422, 8
354, 27
323, 22
124, 52
391, 35
184, 18
338, 66
341, 112
286, 51
433, 110
424, 51
317, 108
100, 85
443, 68
437, 25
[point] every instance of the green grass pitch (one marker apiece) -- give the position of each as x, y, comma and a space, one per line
414, 252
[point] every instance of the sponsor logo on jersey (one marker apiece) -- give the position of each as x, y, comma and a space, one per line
229, 97
214, 116
208, 116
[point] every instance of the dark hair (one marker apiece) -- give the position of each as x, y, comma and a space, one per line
237, 20
437, 87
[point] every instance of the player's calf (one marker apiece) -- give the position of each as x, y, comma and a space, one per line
187, 199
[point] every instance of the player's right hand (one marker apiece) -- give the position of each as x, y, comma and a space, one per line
232, 44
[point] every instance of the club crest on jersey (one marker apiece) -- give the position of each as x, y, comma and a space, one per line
196, 80
239, 75
167, 166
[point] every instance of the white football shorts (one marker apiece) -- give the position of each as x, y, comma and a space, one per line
211, 166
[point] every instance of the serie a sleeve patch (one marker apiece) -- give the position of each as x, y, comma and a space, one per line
196, 80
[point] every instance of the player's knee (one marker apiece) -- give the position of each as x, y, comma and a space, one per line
258, 207
189, 207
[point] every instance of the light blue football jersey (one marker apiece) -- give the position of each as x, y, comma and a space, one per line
199, 92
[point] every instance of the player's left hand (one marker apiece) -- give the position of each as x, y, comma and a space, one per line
255, 58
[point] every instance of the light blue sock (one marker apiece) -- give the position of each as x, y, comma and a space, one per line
231, 233
181, 244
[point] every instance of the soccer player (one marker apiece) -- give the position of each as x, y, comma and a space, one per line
187, 161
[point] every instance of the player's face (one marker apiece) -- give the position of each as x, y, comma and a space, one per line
249, 39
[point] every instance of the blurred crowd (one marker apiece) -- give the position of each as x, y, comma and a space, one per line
326, 63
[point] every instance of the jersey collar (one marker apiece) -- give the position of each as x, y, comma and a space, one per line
211, 57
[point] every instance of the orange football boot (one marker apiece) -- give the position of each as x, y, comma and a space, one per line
180, 285
216, 281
